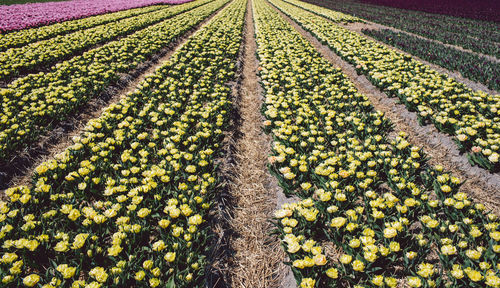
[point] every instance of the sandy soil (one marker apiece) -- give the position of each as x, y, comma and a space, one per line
258, 257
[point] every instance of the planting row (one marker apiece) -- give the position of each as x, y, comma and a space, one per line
374, 213
471, 66
335, 16
129, 203
472, 117
33, 103
23, 37
37, 55
478, 36
467, 63
17, 17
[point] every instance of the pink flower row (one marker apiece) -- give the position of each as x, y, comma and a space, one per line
22, 16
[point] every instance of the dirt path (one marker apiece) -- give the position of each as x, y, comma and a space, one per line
258, 257
18, 170
480, 184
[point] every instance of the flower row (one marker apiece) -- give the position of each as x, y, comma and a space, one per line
17, 17
373, 214
129, 203
32, 103
45, 53
472, 66
335, 16
476, 35
472, 117
23, 37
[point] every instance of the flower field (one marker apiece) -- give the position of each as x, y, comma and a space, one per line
375, 200
26, 36
462, 32
126, 204
19, 17
36, 100
472, 117
27, 58
47, 52
451, 43
471, 66
144, 195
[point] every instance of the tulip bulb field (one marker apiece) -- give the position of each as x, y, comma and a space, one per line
247, 143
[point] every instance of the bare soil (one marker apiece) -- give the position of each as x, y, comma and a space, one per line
479, 183
18, 169
258, 258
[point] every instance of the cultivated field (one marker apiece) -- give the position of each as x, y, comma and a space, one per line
247, 143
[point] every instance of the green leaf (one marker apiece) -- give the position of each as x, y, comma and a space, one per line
171, 283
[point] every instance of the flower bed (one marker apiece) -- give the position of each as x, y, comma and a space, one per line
127, 204
23, 37
471, 66
374, 213
33, 102
46, 53
472, 117
22, 16
478, 36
